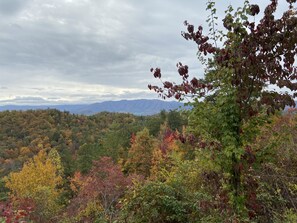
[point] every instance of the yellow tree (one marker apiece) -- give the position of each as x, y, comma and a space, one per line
38, 181
55, 158
140, 154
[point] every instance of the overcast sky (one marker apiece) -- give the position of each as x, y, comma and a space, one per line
85, 51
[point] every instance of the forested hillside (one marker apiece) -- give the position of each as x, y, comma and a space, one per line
58, 167
231, 158
24, 134
75, 141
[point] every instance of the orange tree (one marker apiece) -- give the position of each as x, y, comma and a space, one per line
98, 192
244, 62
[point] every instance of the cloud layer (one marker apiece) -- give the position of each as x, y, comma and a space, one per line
82, 51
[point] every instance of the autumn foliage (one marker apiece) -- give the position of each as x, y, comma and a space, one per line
99, 192
231, 157
247, 67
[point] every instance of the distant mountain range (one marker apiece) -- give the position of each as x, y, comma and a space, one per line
136, 107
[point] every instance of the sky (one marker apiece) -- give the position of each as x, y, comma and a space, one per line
87, 51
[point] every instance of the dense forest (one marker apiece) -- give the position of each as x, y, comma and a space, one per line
231, 158
50, 150
60, 167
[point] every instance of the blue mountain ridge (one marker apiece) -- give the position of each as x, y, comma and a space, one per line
136, 107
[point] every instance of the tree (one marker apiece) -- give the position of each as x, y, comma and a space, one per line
55, 158
277, 174
166, 145
86, 154
98, 192
182, 193
139, 159
175, 120
9, 214
38, 180
235, 97
156, 202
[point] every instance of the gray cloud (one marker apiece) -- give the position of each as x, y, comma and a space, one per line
90, 50
24, 100
11, 7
